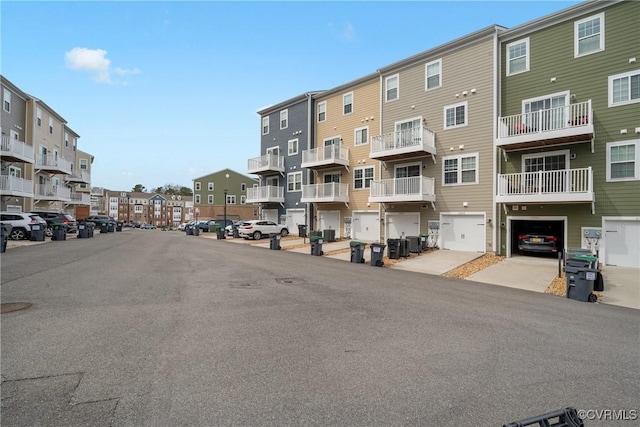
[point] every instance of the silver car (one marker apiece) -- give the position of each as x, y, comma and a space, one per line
259, 228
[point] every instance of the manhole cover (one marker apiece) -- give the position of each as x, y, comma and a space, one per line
8, 307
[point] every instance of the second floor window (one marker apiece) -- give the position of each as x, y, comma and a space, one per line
83, 164
460, 170
265, 125
196, 199
322, 111
455, 115
294, 181
284, 119
589, 35
362, 177
50, 125
624, 88
518, 57
293, 147
347, 103
392, 91
210, 199
361, 136
231, 199
622, 161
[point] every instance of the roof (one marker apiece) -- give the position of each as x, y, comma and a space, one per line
225, 170
291, 101
345, 86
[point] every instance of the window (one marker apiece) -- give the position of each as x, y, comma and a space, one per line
243, 187
84, 164
293, 147
231, 199
294, 181
284, 119
330, 177
265, 125
362, 177
624, 88
546, 113
455, 115
347, 103
243, 200
461, 169
518, 57
391, 83
51, 125
6, 105
622, 161
39, 117
197, 199
433, 74
361, 136
589, 35
198, 186
66, 139
15, 172
210, 199
210, 186
408, 132
322, 111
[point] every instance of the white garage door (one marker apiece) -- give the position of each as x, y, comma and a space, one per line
270, 215
622, 242
294, 217
462, 232
365, 226
402, 224
329, 220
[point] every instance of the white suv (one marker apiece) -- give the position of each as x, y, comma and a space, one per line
259, 228
21, 223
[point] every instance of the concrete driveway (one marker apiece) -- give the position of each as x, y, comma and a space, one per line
621, 286
529, 273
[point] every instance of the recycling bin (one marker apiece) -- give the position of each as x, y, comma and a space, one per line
377, 254
357, 251
83, 231
413, 243
582, 260
274, 241
316, 245
37, 233
59, 232
329, 235
393, 248
580, 283
302, 230
424, 239
316, 233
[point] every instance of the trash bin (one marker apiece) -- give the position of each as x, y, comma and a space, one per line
5, 232
119, 225
37, 233
377, 254
91, 226
582, 260
236, 233
302, 230
274, 241
316, 245
59, 232
189, 230
357, 251
316, 233
393, 248
424, 239
220, 232
413, 243
111, 227
329, 235
83, 231
196, 230
403, 248
104, 227
580, 282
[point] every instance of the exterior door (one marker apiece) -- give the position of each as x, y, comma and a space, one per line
546, 114
551, 182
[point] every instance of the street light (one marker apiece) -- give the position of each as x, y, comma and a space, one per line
224, 227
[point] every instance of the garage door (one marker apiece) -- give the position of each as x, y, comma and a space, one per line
329, 220
622, 242
365, 226
462, 232
399, 224
270, 215
294, 217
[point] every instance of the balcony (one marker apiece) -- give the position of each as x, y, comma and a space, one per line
559, 186
555, 126
265, 194
413, 142
268, 164
79, 198
52, 193
325, 157
332, 192
410, 189
53, 164
17, 187
13, 150
78, 177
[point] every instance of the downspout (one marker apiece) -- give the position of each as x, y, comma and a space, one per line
380, 213
497, 234
308, 212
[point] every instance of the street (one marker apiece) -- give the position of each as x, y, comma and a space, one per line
153, 328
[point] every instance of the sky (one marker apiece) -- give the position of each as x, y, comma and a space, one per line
162, 92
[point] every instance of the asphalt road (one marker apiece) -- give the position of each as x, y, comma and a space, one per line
152, 328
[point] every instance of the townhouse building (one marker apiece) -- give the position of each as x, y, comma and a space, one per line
568, 131
161, 210
82, 172
224, 193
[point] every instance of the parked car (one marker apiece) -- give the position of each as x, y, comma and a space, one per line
148, 227
259, 228
21, 223
182, 226
218, 222
101, 219
58, 218
540, 239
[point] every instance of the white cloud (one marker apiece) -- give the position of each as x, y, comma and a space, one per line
347, 33
95, 61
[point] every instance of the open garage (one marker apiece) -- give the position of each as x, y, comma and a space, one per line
552, 227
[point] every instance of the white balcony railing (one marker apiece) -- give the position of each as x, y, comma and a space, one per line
418, 140
567, 185
18, 150
13, 186
79, 176
52, 192
329, 192
559, 122
325, 156
50, 162
410, 189
265, 194
80, 198
267, 163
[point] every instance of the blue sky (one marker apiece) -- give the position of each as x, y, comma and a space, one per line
163, 92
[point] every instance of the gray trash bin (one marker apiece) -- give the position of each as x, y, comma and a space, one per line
83, 231
316, 245
196, 230
59, 232
274, 241
357, 251
580, 282
302, 230
377, 254
188, 230
104, 227
393, 248
5, 232
424, 241
37, 233
414, 244
403, 248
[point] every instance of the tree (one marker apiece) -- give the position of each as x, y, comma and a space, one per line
139, 188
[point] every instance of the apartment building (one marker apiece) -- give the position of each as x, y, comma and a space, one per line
161, 210
224, 193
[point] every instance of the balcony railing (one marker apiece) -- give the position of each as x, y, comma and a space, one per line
269, 163
80, 198
53, 163
265, 194
14, 150
330, 155
404, 143
13, 186
327, 193
52, 192
410, 189
559, 186
80, 176
570, 123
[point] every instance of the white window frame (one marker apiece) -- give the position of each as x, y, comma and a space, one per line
322, 109
243, 200
198, 186
576, 40
265, 125
364, 178
459, 170
543, 154
291, 142
51, 125
526, 56
84, 164
427, 76
6, 101
209, 199
628, 76
294, 182
347, 101
210, 186
231, 199
636, 160
196, 199
15, 172
284, 119
358, 140
39, 117
454, 107
397, 88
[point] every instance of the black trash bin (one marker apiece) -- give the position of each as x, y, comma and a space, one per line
274, 241
220, 234
424, 242
329, 235
377, 254
91, 226
403, 248
357, 251
104, 227
413, 243
580, 283
83, 231
5, 232
196, 230
302, 230
59, 232
393, 248
37, 233
189, 230
119, 225
236, 233
111, 227
316, 245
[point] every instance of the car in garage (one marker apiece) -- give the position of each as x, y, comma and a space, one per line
538, 239
257, 229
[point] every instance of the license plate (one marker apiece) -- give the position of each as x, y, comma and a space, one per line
537, 240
